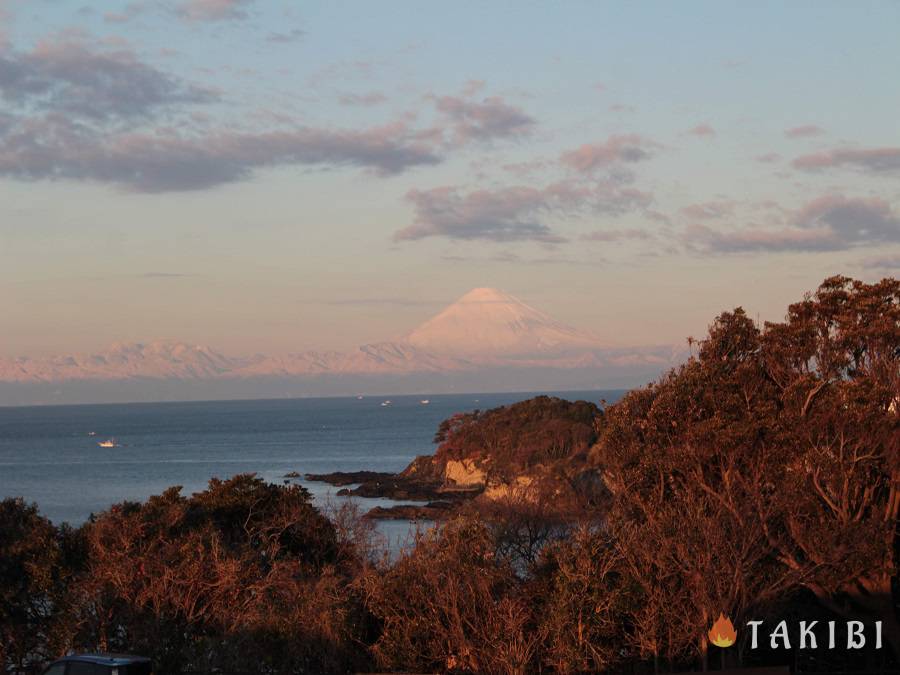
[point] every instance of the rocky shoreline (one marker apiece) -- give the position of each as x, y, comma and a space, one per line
430, 511
342, 478
440, 500
532, 451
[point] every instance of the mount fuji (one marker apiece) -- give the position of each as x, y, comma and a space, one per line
486, 322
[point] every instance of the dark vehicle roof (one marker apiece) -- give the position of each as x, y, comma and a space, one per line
106, 659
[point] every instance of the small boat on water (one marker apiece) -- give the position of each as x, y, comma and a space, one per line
424, 401
385, 403
109, 443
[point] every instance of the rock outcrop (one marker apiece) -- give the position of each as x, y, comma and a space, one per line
533, 450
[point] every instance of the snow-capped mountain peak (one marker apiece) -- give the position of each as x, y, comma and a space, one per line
488, 321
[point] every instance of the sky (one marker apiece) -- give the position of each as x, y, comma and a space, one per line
280, 176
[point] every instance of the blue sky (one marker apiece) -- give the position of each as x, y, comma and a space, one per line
266, 176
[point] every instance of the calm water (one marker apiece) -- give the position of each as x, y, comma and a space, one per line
48, 456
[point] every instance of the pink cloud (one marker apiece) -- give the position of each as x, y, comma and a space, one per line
760, 239
852, 217
702, 130
166, 160
828, 223
213, 10
506, 214
487, 119
75, 75
515, 213
804, 131
128, 13
618, 148
875, 160
708, 210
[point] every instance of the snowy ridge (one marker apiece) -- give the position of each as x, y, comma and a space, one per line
484, 329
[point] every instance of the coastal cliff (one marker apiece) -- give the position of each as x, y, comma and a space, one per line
534, 449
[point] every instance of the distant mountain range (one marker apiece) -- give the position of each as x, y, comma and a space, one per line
487, 340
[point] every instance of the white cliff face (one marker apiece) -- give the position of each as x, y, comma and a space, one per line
489, 322
464, 473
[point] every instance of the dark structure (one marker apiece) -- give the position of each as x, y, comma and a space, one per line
100, 664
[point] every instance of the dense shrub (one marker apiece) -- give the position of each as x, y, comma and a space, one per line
35, 563
244, 576
581, 594
452, 604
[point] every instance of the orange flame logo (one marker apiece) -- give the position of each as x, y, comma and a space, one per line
722, 633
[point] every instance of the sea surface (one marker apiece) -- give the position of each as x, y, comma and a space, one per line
50, 454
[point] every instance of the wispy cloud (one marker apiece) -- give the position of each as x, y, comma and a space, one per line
167, 160
513, 213
129, 12
829, 223
76, 76
874, 160
708, 210
702, 130
804, 131
482, 120
601, 154
89, 110
755, 239
852, 220
214, 10
367, 99
286, 37
507, 214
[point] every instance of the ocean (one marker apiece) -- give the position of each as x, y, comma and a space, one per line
50, 454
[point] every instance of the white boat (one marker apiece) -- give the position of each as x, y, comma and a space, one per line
424, 401
385, 403
109, 443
